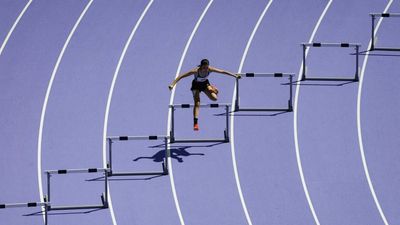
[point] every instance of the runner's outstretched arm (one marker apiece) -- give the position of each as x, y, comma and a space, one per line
213, 69
191, 72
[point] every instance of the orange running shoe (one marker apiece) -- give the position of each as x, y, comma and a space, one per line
196, 127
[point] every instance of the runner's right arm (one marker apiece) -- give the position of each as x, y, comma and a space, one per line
191, 72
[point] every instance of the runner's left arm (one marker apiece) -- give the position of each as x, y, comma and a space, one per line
213, 69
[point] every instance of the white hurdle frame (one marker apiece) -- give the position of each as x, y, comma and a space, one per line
104, 196
47, 199
341, 45
270, 75
173, 139
112, 139
46, 204
373, 40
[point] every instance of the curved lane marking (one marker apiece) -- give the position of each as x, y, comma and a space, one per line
171, 100
46, 99
14, 25
110, 94
360, 140
232, 132
295, 111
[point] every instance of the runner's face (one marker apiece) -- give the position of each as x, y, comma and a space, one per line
204, 67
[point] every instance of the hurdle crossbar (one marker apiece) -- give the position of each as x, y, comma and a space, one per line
104, 196
341, 45
45, 205
266, 74
373, 38
23, 205
385, 14
173, 139
212, 105
128, 138
112, 139
255, 109
90, 170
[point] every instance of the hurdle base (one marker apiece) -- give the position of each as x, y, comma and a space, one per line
226, 140
329, 79
263, 109
144, 173
384, 49
141, 173
206, 140
60, 208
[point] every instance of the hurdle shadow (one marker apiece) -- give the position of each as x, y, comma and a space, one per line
188, 146
50, 213
143, 178
177, 153
377, 53
319, 83
242, 113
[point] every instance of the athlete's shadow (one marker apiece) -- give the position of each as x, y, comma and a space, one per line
177, 153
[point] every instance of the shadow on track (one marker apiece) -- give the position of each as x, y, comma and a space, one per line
241, 113
141, 178
378, 53
177, 153
41, 213
316, 83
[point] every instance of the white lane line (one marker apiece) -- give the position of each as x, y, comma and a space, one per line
110, 94
46, 98
360, 140
232, 120
171, 100
296, 141
14, 25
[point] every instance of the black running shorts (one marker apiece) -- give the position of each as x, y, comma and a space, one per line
201, 86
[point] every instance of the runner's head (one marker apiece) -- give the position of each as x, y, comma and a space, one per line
204, 63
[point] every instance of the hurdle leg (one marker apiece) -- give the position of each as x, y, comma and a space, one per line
237, 96
45, 216
227, 123
303, 75
45, 211
48, 186
290, 107
106, 189
356, 78
165, 166
110, 154
172, 132
372, 33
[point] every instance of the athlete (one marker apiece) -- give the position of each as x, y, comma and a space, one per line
200, 83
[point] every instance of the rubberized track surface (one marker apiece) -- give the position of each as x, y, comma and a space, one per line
72, 72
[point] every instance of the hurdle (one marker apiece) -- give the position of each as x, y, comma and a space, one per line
273, 75
173, 139
341, 45
373, 39
113, 139
45, 204
104, 196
